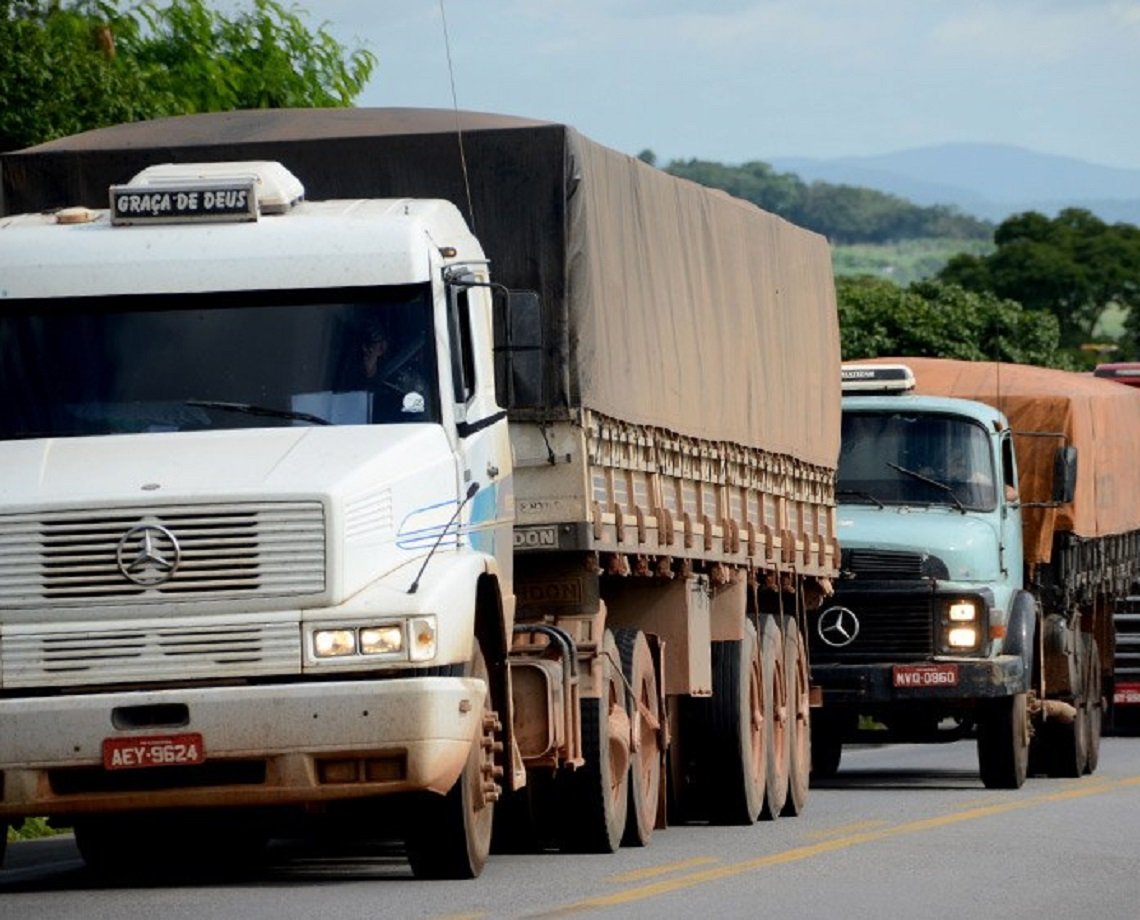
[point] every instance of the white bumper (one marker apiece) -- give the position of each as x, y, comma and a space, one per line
263, 745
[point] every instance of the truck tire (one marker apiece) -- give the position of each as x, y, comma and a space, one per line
595, 797
449, 836
826, 746
645, 720
1003, 742
1065, 744
1094, 693
776, 721
732, 756
799, 717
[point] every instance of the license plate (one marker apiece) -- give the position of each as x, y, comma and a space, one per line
926, 675
1126, 695
153, 751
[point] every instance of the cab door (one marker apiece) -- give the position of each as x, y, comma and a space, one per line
481, 425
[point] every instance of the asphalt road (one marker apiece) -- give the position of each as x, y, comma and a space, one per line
902, 831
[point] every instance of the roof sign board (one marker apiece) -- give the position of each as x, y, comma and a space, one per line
192, 202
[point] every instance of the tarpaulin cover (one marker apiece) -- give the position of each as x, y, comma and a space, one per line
1099, 417
665, 303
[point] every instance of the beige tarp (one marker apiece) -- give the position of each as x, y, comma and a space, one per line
1099, 417
700, 313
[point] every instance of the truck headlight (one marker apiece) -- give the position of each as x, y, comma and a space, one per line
962, 626
334, 643
411, 639
382, 640
963, 637
962, 611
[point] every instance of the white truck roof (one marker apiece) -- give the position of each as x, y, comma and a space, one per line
79, 253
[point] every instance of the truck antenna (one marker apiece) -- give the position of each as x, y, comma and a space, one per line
458, 126
471, 490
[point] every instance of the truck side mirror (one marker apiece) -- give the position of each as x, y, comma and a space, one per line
1064, 474
519, 366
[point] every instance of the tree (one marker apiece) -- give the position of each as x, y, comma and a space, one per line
1073, 266
936, 319
842, 213
70, 66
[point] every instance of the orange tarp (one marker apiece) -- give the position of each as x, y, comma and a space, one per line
1099, 417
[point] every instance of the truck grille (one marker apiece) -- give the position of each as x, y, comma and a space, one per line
266, 549
891, 628
885, 564
1126, 620
205, 648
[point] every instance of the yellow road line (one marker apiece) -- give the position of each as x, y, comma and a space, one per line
844, 829
654, 871
796, 854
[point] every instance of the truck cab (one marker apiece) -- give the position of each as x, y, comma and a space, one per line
255, 487
924, 637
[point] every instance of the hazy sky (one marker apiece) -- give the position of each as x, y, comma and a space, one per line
736, 80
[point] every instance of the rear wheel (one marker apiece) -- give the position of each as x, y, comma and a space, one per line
449, 837
1094, 694
645, 719
595, 796
1003, 742
734, 755
799, 717
1065, 744
777, 718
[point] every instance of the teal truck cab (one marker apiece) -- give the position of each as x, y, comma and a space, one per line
978, 571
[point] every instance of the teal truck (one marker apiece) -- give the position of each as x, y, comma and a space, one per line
986, 536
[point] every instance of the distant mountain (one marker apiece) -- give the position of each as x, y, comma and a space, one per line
989, 181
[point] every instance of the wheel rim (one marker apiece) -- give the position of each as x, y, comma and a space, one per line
647, 725
756, 716
619, 733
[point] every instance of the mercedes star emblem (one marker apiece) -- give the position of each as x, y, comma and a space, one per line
837, 626
148, 555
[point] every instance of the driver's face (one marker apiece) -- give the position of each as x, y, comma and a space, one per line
373, 351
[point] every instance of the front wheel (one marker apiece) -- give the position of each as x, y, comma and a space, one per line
449, 837
1003, 742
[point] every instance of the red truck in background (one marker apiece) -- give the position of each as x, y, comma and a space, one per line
1125, 710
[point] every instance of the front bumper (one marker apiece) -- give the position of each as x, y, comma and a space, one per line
264, 745
977, 679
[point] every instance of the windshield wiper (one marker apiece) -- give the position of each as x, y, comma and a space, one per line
930, 482
861, 494
266, 411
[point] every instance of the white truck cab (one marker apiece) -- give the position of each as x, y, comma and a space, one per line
252, 477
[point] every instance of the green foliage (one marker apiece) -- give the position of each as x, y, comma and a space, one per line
33, 828
844, 214
1073, 266
936, 319
71, 66
903, 262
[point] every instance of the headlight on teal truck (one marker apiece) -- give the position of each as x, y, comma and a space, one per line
963, 626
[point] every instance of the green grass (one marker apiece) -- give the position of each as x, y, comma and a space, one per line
903, 262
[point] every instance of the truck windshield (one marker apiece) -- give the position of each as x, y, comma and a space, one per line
154, 363
901, 458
